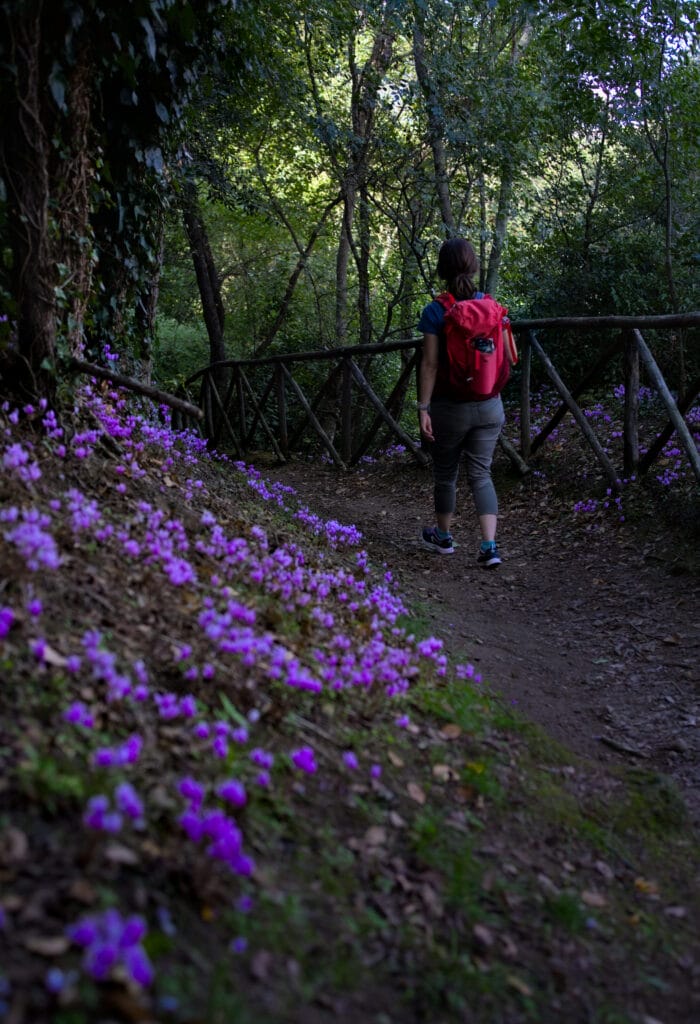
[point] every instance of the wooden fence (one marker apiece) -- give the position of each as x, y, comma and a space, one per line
249, 404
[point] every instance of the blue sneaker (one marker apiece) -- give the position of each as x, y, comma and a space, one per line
441, 545
489, 557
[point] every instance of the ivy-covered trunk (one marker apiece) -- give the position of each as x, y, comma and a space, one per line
26, 364
73, 176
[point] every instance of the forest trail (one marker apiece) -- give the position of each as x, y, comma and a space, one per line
594, 635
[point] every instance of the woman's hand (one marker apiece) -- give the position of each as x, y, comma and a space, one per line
426, 383
426, 426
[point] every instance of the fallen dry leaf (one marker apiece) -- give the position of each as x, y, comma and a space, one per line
14, 846
416, 792
375, 836
443, 772
452, 731
53, 658
647, 886
605, 870
47, 945
677, 912
82, 891
519, 985
483, 936
260, 964
396, 760
465, 794
593, 899
396, 820
117, 853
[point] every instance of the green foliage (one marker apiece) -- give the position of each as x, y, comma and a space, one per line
568, 133
178, 352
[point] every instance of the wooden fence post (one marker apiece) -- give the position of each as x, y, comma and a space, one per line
575, 411
207, 408
664, 437
525, 411
388, 419
312, 418
240, 402
684, 435
631, 427
346, 411
282, 410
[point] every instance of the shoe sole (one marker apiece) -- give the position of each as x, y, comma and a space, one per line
433, 547
493, 564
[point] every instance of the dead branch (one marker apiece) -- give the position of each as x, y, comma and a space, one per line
79, 366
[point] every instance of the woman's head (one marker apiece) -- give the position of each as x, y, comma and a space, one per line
457, 265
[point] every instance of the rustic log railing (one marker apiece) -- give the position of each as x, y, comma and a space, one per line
249, 401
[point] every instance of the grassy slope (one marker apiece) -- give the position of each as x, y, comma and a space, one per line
477, 873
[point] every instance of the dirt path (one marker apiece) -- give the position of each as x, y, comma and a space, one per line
595, 636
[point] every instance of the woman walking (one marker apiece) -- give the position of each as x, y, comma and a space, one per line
453, 425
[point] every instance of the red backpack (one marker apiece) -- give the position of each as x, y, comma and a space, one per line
480, 347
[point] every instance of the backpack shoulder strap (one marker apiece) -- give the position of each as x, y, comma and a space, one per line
446, 300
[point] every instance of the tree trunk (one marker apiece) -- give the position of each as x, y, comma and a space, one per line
26, 367
365, 89
207, 277
73, 177
499, 231
342, 261
363, 297
147, 308
436, 127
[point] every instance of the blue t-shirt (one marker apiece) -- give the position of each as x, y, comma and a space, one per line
432, 319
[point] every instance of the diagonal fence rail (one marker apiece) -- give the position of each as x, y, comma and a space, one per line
351, 400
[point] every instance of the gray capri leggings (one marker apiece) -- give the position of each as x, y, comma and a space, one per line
472, 428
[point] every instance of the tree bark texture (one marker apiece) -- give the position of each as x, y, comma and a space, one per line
73, 176
436, 126
205, 271
24, 162
366, 83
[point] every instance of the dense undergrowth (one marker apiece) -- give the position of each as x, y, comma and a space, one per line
241, 782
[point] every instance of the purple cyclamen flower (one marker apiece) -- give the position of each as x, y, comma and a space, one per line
220, 747
55, 980
128, 801
261, 758
109, 940
304, 759
191, 823
233, 792
138, 965
38, 647
84, 933
100, 958
98, 815
192, 791
188, 706
133, 931
79, 714
350, 760
7, 617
